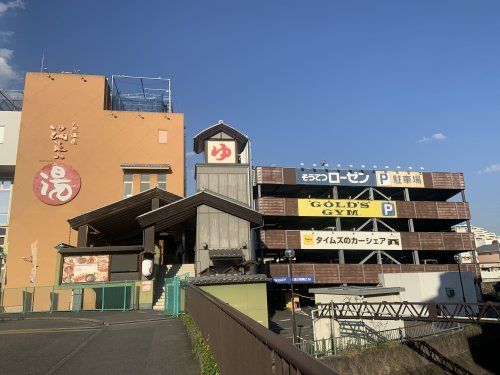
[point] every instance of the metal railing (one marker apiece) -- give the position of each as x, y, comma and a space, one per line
240, 345
481, 312
106, 296
11, 100
336, 345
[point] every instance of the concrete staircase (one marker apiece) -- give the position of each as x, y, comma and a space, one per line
168, 272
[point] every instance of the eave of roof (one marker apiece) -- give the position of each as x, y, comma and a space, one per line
182, 209
118, 207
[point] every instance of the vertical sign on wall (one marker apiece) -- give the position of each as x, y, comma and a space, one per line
34, 256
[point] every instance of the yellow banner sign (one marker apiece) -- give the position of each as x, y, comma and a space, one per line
332, 240
347, 208
400, 179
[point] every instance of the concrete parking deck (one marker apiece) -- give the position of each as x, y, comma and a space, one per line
138, 342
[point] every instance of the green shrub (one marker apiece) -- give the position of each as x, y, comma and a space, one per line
201, 349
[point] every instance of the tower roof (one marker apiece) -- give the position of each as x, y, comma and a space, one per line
220, 127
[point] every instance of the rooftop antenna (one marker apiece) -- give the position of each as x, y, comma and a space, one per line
42, 68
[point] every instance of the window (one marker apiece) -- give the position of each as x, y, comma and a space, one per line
128, 184
3, 232
145, 178
5, 189
2, 133
162, 136
161, 181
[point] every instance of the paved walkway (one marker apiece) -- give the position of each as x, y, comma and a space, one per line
132, 342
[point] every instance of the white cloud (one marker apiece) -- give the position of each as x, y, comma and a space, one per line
4, 7
494, 168
190, 153
434, 137
5, 36
7, 71
438, 136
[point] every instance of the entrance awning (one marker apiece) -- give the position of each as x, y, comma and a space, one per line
119, 218
183, 209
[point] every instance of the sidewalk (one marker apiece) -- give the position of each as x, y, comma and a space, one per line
139, 342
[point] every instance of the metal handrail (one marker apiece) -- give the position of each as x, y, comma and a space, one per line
293, 355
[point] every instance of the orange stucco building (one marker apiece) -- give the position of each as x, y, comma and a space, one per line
68, 120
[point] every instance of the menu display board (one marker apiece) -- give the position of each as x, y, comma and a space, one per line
85, 269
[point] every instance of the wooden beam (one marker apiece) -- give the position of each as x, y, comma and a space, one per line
83, 236
149, 239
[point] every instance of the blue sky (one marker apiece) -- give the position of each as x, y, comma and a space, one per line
409, 83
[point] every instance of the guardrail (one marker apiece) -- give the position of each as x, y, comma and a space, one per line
240, 345
103, 296
361, 340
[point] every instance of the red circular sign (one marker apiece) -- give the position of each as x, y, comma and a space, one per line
56, 184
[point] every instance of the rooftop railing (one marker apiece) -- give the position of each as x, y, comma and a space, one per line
140, 94
11, 100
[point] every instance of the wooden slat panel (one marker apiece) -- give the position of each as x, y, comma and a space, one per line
327, 274
428, 180
410, 241
405, 209
291, 207
273, 239
271, 206
293, 239
359, 273
425, 210
289, 176
269, 175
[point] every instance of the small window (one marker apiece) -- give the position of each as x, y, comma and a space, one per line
161, 181
162, 136
145, 178
2, 133
128, 184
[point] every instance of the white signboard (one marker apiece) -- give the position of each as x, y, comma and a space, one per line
344, 240
221, 152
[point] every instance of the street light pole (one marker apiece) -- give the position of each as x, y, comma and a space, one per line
290, 254
457, 259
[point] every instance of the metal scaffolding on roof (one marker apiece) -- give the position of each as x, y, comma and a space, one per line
11, 100
142, 94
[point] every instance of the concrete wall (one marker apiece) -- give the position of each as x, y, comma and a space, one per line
220, 231
431, 286
250, 299
10, 122
106, 139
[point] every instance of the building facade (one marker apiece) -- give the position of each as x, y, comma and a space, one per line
349, 227
10, 120
83, 144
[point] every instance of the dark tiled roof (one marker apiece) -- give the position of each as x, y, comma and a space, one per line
493, 248
229, 279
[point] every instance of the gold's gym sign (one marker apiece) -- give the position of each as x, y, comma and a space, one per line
347, 208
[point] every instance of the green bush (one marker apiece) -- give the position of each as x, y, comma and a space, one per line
201, 349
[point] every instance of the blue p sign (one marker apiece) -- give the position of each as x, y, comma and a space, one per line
388, 209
